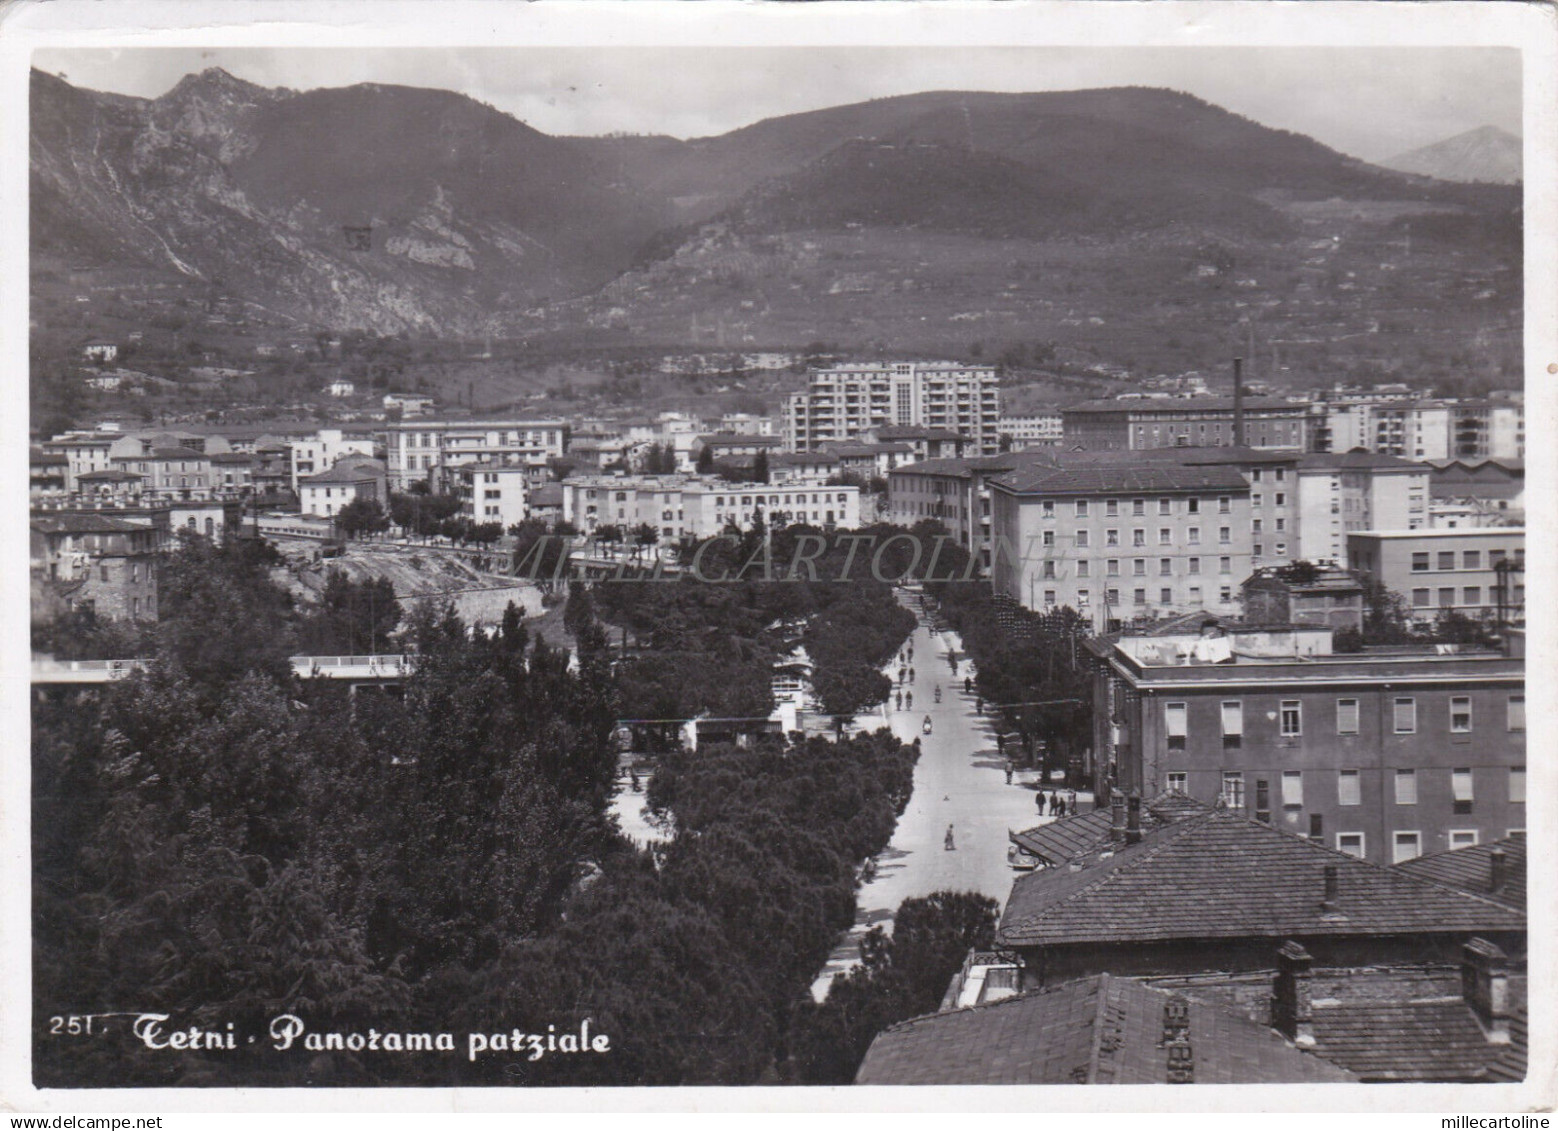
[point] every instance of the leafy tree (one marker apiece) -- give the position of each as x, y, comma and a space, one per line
353, 618
362, 516
705, 463
760, 467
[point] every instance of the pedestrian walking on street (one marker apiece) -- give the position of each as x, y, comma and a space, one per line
1008, 773
1071, 801
908, 700
968, 685
951, 845
911, 675
900, 701
1039, 801
1060, 805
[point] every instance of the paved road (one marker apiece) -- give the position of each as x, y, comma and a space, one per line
958, 781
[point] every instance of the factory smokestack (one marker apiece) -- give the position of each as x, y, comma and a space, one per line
1238, 402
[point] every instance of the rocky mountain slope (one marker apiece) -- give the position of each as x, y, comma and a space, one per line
1486, 155
390, 208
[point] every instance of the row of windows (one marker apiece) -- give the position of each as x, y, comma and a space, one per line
1176, 717
1084, 567
1349, 790
1470, 595
1224, 504
1139, 596
1469, 559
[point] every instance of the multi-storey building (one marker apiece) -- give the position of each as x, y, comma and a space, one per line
1384, 754
427, 450
845, 401
681, 506
494, 494
1482, 429
169, 473
318, 453
1465, 570
1166, 422
96, 562
1041, 430
352, 478
1337, 494
1117, 541
83, 452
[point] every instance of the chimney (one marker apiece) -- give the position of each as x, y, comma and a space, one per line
1332, 888
1117, 816
1292, 1011
1498, 869
1133, 820
1238, 402
1485, 986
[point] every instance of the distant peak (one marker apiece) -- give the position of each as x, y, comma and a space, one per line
214, 79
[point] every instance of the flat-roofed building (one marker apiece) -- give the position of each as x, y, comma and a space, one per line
844, 402
1337, 494
1384, 754
1474, 571
494, 494
427, 450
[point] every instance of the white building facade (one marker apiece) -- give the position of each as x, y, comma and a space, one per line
845, 401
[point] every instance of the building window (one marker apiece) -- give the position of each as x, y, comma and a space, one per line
1463, 838
1139, 567
1176, 724
1049, 539
1082, 596
1138, 537
1195, 594
1049, 508
1082, 539
1446, 559
1049, 597
1111, 508
1348, 789
1224, 535
1165, 596
1282, 499
1473, 595
1193, 565
1112, 567
1471, 559
1233, 789
1255, 499
1177, 782
1406, 787
1292, 718
1138, 507
1460, 714
1346, 716
1447, 597
1111, 537
1405, 716
1112, 596
1406, 846
1350, 843
1420, 598
1420, 563
1517, 785
1224, 505
1233, 721
1225, 593
1460, 789
1225, 565
1516, 715
1193, 535
1293, 789
1081, 508
1084, 567
1192, 506
1165, 537
1255, 526
1049, 571
1165, 567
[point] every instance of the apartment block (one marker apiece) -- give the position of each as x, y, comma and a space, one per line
429, 450
843, 402
1166, 422
494, 494
1386, 754
681, 506
1116, 542
1340, 494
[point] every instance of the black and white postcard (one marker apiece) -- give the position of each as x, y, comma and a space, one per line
584, 548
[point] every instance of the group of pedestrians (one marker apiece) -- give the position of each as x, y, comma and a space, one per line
1055, 804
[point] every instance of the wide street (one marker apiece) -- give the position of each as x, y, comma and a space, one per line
960, 782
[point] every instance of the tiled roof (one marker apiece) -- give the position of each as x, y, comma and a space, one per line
547, 495
804, 459
1355, 461
1471, 870
231, 457
178, 452
1219, 875
1098, 1030
740, 439
914, 432
1184, 404
355, 473
1084, 833
1510, 1065
1096, 478
1437, 1040
110, 476
84, 524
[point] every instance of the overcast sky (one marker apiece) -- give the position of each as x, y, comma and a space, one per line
1366, 101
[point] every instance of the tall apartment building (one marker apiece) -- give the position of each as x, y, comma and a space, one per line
1384, 756
1114, 542
318, 453
430, 450
493, 494
844, 401
1341, 493
1420, 429
1166, 422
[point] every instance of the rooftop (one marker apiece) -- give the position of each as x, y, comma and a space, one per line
1504, 532
1081, 834
85, 524
1356, 460
1471, 870
1176, 406
1218, 875
1122, 478
1098, 1030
